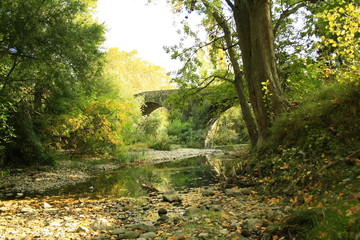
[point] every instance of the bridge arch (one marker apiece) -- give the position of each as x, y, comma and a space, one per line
213, 110
155, 99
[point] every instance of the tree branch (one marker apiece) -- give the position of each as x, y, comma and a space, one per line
290, 10
6, 80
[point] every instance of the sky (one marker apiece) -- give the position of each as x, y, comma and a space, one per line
136, 25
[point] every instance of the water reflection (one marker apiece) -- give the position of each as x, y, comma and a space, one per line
138, 181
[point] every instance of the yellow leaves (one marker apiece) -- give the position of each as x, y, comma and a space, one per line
274, 200
224, 216
308, 198
343, 24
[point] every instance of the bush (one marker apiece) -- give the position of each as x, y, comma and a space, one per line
27, 149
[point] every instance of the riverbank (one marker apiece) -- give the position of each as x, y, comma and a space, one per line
199, 213
70, 172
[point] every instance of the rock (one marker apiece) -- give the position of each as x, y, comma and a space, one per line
102, 237
192, 211
82, 229
129, 235
19, 194
233, 192
245, 191
51, 209
101, 224
208, 191
204, 236
223, 232
171, 197
162, 211
27, 210
254, 224
3, 209
144, 227
46, 205
180, 235
148, 235
163, 219
118, 231
237, 236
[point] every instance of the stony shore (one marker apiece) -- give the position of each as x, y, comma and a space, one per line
214, 212
199, 213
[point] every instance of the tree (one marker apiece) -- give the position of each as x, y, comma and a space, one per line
132, 74
251, 26
49, 56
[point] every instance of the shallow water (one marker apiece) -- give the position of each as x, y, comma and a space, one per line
140, 180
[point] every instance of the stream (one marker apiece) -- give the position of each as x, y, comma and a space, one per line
137, 181
134, 202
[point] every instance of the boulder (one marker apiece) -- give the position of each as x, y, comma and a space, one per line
171, 197
162, 211
129, 235
148, 235
144, 227
208, 191
233, 192
101, 224
192, 211
118, 231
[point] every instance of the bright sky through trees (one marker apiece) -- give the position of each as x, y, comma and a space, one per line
134, 24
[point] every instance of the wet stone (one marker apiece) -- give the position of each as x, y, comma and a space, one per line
171, 197
144, 227
118, 231
192, 211
233, 192
101, 224
148, 235
129, 235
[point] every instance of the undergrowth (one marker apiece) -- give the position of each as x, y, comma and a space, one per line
312, 162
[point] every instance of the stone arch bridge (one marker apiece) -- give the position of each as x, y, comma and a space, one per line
211, 110
156, 99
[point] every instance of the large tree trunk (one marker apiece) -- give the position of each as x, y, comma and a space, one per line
256, 41
239, 86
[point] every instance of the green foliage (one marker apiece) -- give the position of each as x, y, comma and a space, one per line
162, 143
341, 39
49, 57
27, 143
230, 128
313, 147
333, 221
103, 127
6, 129
328, 121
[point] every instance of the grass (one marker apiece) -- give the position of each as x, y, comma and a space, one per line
312, 161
